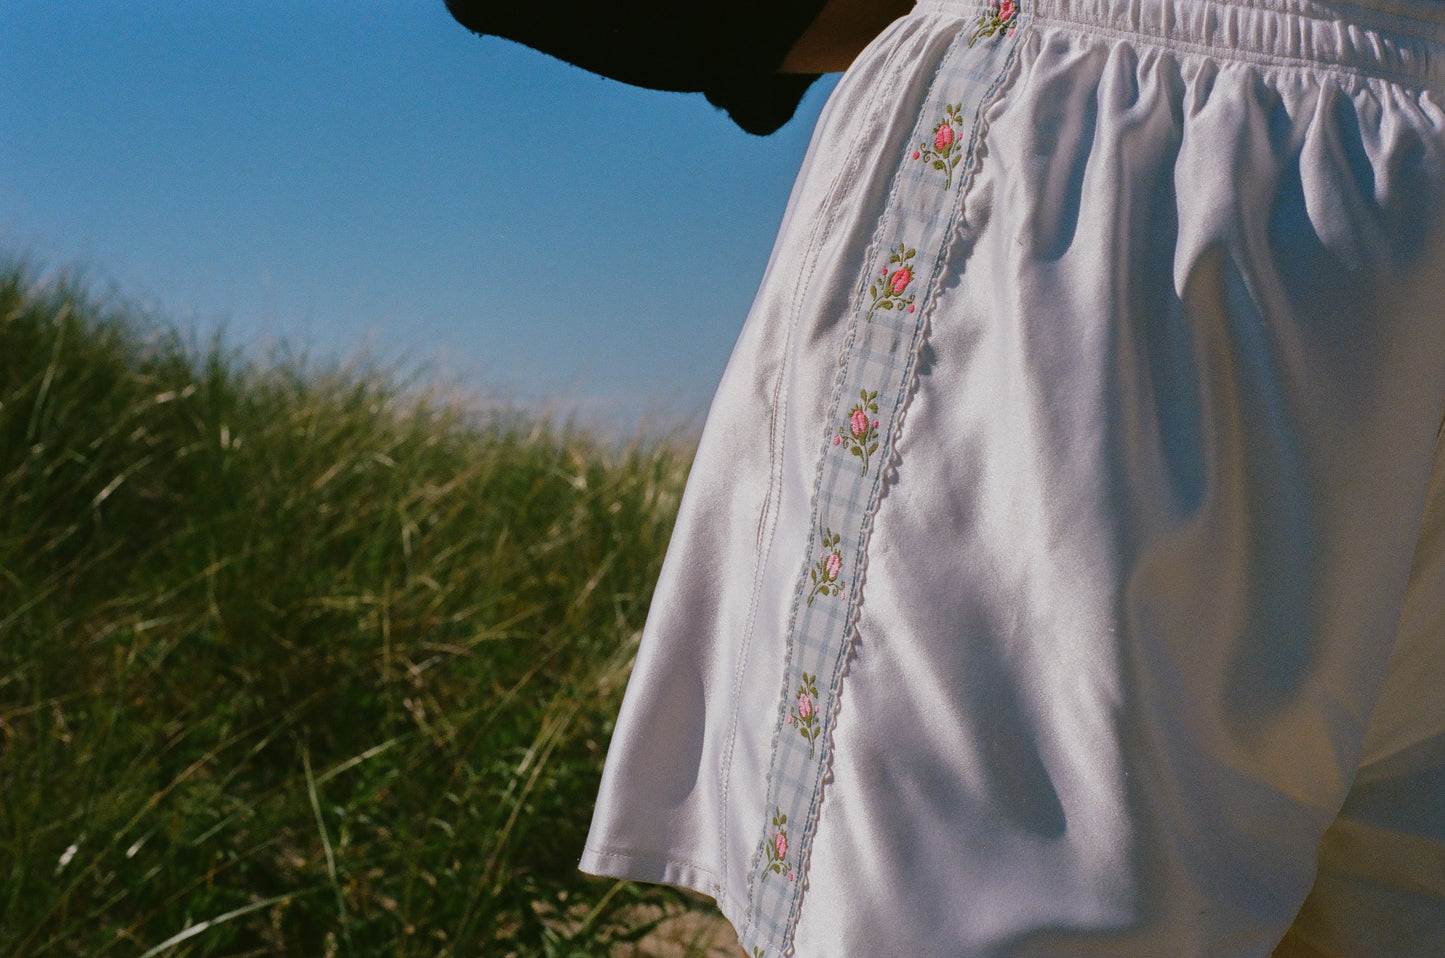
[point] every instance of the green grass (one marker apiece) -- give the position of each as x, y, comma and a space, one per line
298, 661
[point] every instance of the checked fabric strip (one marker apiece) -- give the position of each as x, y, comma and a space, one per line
874, 380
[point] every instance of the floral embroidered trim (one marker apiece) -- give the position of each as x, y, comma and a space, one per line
804, 715
998, 18
947, 149
888, 289
861, 433
883, 344
825, 570
777, 846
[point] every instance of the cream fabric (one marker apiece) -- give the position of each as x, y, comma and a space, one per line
1139, 574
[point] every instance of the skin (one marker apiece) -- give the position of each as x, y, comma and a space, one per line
841, 31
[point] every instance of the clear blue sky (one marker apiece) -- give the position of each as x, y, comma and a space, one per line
339, 175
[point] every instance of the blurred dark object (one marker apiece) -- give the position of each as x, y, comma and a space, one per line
728, 51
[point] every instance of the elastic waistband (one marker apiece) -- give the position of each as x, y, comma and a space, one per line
1394, 38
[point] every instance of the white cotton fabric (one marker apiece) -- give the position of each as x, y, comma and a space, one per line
1150, 657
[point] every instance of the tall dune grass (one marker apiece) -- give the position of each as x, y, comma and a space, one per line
298, 662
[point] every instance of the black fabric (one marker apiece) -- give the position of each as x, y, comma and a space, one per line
728, 51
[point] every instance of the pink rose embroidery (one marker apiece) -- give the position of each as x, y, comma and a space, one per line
824, 573
777, 844
901, 279
861, 433
945, 152
804, 716
999, 17
888, 289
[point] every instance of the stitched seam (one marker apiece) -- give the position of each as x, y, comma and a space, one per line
854, 306
906, 389
834, 652
823, 227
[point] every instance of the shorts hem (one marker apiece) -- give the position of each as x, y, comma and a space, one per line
660, 869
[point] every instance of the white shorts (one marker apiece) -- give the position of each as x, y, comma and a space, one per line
1044, 584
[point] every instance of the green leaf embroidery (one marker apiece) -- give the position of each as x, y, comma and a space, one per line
887, 291
946, 147
804, 715
999, 17
824, 573
860, 433
776, 844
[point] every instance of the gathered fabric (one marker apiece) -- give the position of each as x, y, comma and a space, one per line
1062, 567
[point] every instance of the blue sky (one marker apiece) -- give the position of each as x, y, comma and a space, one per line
371, 175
